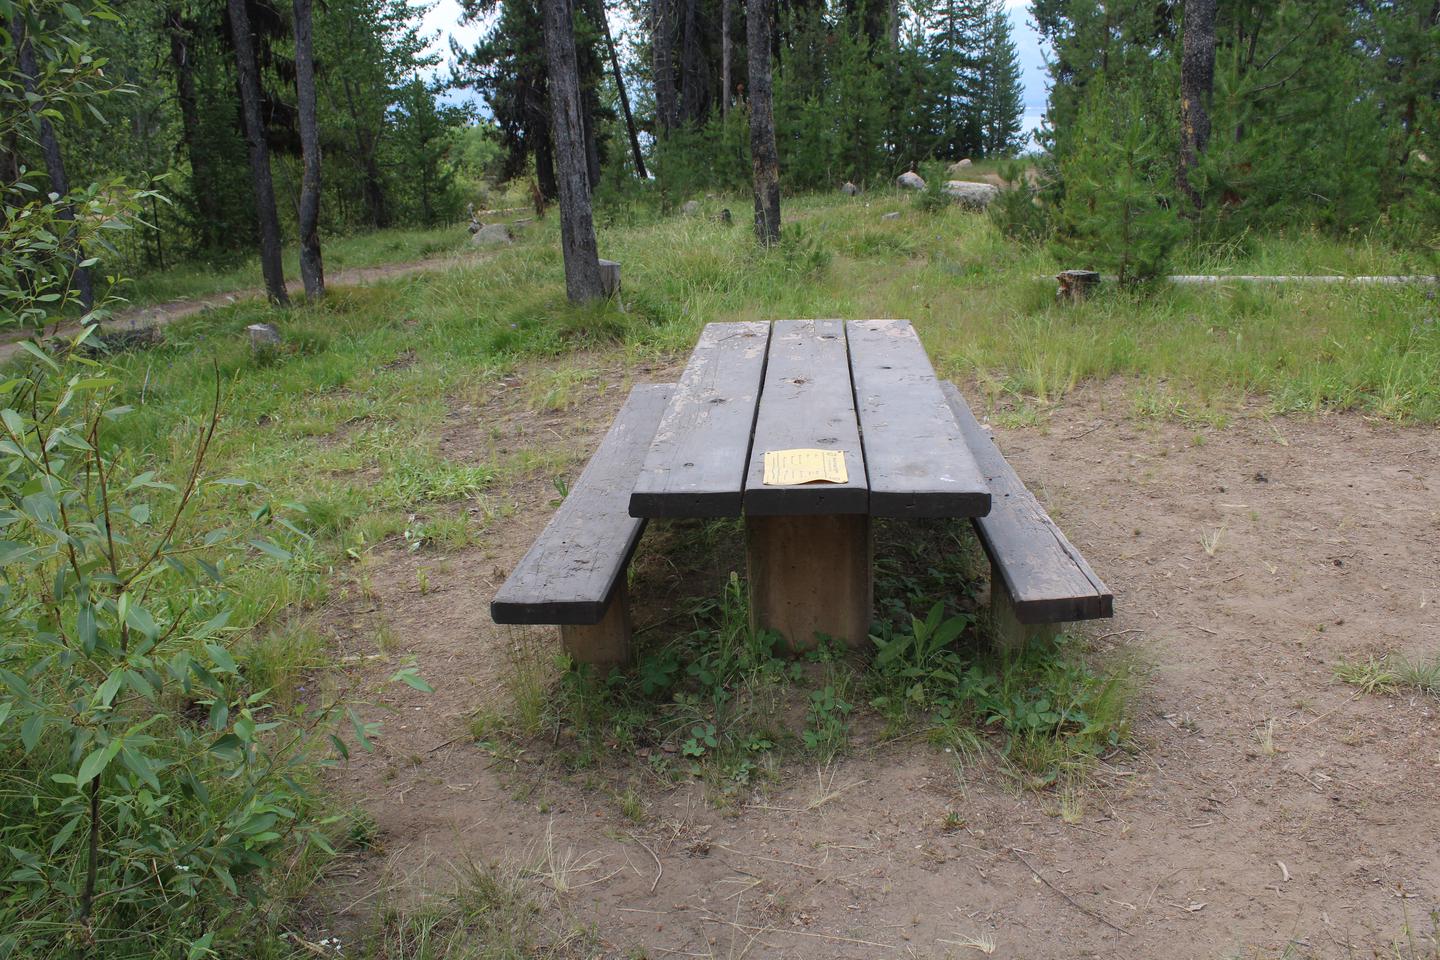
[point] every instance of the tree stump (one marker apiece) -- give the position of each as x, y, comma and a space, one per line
610, 278
1076, 285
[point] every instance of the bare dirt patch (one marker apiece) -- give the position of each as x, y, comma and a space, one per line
1265, 801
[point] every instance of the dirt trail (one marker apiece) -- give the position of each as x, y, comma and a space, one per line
160, 314
1266, 801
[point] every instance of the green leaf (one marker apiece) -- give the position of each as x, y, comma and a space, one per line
213, 625
411, 678
224, 663
94, 764
270, 549
39, 354
31, 729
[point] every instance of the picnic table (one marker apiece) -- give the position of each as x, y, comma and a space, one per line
856, 425
865, 390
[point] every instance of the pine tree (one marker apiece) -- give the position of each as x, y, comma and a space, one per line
1002, 94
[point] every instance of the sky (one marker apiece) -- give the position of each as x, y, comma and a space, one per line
443, 20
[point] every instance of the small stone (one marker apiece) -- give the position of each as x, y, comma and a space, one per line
849, 189
691, 208
493, 234
263, 336
890, 216
975, 196
910, 180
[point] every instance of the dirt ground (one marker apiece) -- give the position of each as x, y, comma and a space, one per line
1265, 802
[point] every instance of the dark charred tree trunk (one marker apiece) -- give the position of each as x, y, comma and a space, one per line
50, 147
726, 50
694, 71
624, 97
1197, 85
662, 46
766, 164
312, 269
894, 24
577, 229
200, 180
269, 222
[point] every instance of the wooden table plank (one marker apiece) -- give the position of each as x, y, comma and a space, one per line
915, 456
578, 562
807, 403
696, 464
1047, 578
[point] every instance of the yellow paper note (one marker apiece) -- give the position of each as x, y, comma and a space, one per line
787, 468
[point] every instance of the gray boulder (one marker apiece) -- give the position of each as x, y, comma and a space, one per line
910, 180
849, 189
958, 167
691, 208
893, 215
493, 234
975, 196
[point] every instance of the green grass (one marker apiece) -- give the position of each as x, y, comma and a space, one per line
1392, 673
199, 278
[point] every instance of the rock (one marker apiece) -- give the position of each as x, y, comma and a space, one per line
849, 189
493, 234
976, 196
691, 208
910, 180
890, 216
959, 165
263, 336
475, 226
1077, 285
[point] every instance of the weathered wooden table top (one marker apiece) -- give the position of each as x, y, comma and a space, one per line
862, 387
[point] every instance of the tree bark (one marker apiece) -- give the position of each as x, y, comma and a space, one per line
50, 147
624, 97
200, 180
894, 25
694, 75
264, 187
1197, 85
312, 269
725, 53
577, 229
662, 46
764, 159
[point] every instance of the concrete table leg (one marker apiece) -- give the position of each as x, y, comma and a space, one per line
809, 575
603, 644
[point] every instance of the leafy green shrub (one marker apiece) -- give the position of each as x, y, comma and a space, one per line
150, 786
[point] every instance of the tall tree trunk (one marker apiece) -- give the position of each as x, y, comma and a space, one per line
201, 184
1197, 84
725, 53
662, 46
694, 80
624, 97
269, 222
374, 186
50, 147
894, 25
312, 269
766, 163
577, 230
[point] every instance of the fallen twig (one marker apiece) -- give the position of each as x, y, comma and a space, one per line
1068, 899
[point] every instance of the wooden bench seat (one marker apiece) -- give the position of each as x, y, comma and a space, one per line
574, 573
1038, 579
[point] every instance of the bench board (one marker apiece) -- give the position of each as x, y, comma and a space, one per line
575, 565
915, 456
696, 464
1047, 578
807, 403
